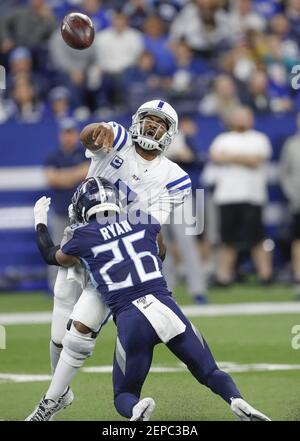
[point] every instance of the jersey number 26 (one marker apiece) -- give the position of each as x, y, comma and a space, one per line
135, 257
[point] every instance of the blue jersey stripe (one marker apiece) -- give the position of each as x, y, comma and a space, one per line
123, 142
118, 135
183, 187
178, 181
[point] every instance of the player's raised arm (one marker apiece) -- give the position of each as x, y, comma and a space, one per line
97, 136
104, 137
50, 253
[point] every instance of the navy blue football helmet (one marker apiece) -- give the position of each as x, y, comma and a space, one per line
95, 195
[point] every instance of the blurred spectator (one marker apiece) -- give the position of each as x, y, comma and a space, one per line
222, 100
141, 81
256, 94
289, 49
20, 66
65, 169
193, 161
137, 11
94, 10
117, 48
183, 245
203, 24
189, 77
28, 26
62, 7
243, 17
267, 8
25, 105
7, 108
278, 64
59, 99
290, 181
189, 128
6, 6
61, 106
240, 62
156, 42
70, 66
293, 15
167, 10
241, 193
113, 5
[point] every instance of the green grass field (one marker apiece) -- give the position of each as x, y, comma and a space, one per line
245, 340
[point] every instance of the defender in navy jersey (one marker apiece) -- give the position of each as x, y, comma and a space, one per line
121, 258
124, 261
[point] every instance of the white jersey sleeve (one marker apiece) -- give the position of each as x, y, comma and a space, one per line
177, 188
121, 136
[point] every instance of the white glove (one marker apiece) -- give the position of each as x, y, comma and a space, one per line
71, 214
40, 210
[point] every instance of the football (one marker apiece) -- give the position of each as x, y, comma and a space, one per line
77, 30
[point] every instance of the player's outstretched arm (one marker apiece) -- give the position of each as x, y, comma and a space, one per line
97, 136
52, 254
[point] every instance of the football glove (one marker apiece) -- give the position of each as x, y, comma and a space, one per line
40, 211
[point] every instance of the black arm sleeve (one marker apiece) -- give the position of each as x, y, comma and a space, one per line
46, 245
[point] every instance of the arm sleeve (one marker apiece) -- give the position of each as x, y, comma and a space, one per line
173, 195
121, 137
177, 189
46, 245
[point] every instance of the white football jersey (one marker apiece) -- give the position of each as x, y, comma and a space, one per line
154, 186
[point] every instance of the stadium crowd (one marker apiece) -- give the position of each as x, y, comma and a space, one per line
205, 57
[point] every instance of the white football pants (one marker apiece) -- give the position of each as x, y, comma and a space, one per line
75, 300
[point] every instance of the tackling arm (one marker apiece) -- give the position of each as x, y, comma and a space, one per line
51, 254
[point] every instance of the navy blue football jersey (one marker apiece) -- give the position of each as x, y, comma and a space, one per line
121, 257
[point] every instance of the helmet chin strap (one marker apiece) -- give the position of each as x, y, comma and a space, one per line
148, 144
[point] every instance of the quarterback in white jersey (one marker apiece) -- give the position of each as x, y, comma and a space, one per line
133, 160
155, 184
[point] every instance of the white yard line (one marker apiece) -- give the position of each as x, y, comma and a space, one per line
259, 308
25, 318
264, 308
227, 366
23, 378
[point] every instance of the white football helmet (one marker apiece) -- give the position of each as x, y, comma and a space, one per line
164, 111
